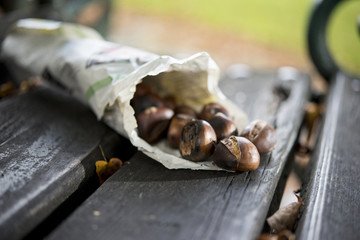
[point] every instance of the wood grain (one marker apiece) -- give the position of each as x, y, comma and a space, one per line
48, 147
332, 191
146, 200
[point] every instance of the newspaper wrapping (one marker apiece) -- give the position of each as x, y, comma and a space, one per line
104, 76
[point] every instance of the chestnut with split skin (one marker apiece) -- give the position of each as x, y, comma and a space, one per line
210, 135
236, 154
197, 141
261, 134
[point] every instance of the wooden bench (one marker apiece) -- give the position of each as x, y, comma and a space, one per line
331, 191
49, 145
49, 187
48, 155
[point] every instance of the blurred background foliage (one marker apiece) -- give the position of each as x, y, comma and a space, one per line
281, 24
274, 30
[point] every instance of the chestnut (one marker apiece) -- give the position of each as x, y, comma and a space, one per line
184, 109
153, 122
169, 101
141, 90
224, 127
145, 100
197, 141
209, 110
176, 125
236, 154
261, 134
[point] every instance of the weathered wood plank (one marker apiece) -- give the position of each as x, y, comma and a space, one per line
332, 191
48, 147
145, 200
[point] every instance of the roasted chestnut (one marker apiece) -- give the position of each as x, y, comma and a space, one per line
261, 134
153, 122
141, 90
224, 127
145, 100
184, 109
197, 141
176, 125
169, 101
236, 154
209, 110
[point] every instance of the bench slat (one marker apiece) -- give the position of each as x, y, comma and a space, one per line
332, 190
146, 200
48, 147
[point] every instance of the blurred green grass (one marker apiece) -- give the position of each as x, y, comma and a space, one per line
276, 23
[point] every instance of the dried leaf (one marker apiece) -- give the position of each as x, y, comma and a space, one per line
283, 235
101, 169
7, 89
268, 236
114, 165
30, 83
285, 218
312, 114
286, 235
105, 169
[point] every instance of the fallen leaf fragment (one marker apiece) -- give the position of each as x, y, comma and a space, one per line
7, 89
100, 169
30, 83
286, 235
268, 236
285, 218
283, 235
105, 169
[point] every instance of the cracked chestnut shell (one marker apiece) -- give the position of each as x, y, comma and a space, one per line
175, 128
209, 110
236, 154
197, 141
224, 127
153, 122
261, 134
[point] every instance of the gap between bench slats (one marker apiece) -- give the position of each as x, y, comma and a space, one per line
332, 191
48, 148
146, 200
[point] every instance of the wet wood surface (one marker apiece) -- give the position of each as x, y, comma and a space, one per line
146, 200
48, 148
332, 190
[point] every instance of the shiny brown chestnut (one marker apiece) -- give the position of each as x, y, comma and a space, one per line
236, 154
184, 109
261, 134
153, 122
224, 127
145, 100
141, 89
170, 101
197, 141
209, 110
175, 128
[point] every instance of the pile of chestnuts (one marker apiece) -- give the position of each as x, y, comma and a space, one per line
210, 134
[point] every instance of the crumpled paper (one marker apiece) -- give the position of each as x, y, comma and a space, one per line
104, 75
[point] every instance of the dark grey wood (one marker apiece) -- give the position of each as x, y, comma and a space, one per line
144, 200
332, 191
48, 148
